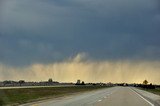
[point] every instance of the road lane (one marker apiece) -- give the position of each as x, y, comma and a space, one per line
115, 96
123, 97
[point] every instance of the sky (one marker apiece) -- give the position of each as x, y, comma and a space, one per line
91, 40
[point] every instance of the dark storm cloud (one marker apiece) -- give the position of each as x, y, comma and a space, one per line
46, 31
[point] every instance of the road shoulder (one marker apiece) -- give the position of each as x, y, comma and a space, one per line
155, 99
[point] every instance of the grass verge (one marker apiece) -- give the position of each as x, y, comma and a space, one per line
155, 91
18, 96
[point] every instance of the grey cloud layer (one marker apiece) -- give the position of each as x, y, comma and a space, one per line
46, 31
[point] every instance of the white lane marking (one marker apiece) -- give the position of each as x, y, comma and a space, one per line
99, 100
143, 98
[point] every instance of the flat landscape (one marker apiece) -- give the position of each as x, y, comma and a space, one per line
114, 96
23, 95
79, 52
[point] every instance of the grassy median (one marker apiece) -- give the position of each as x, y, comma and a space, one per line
24, 95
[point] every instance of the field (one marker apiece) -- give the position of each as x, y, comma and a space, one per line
24, 95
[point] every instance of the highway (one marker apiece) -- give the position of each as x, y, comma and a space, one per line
115, 96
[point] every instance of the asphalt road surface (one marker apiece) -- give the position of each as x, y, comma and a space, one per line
115, 96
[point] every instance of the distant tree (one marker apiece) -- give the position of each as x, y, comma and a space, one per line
50, 80
78, 82
82, 83
6, 82
94, 84
145, 82
21, 82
